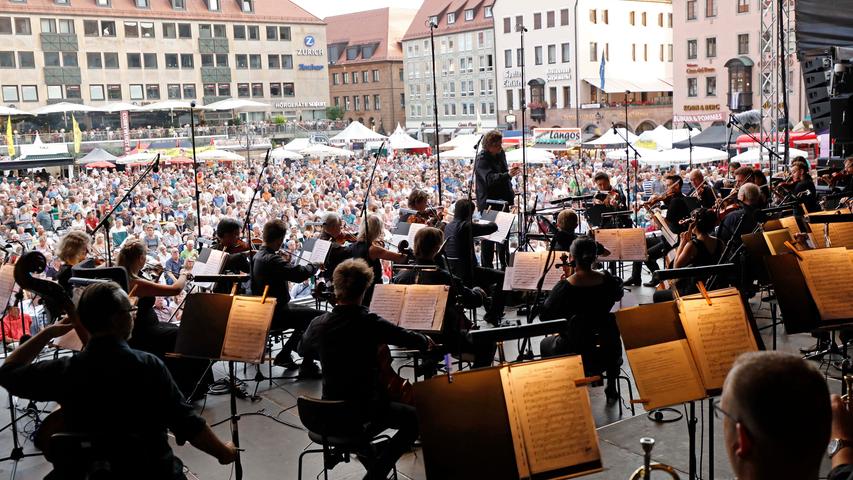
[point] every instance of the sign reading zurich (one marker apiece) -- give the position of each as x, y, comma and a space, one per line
310, 41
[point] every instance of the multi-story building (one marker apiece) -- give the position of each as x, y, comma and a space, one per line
143, 51
717, 62
569, 47
366, 66
464, 63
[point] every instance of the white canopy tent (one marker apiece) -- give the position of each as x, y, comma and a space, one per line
136, 157
356, 132
620, 154
220, 155
64, 107
681, 156
170, 105
116, 107
760, 155
400, 140
237, 104
535, 156
461, 141
297, 144
458, 154
7, 111
662, 138
97, 155
320, 150
282, 153
611, 139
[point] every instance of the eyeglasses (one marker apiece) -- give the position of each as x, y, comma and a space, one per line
719, 410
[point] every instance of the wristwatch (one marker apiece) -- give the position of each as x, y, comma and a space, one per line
836, 445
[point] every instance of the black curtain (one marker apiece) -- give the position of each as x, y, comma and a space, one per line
822, 24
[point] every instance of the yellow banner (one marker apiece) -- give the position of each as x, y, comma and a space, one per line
10, 137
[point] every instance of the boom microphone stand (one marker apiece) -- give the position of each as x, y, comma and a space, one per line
523, 234
370, 185
195, 168
247, 224
637, 156
432, 26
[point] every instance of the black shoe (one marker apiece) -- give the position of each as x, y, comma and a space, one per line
493, 320
333, 457
652, 283
611, 393
283, 359
309, 371
631, 282
819, 346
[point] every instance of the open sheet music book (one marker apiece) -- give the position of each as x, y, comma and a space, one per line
7, 284
840, 234
681, 351
406, 231
416, 307
622, 243
828, 273
504, 220
527, 269
209, 262
668, 234
314, 251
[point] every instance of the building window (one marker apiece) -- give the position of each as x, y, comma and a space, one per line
189, 91
102, 3
142, 4
365, 77
643, 17
243, 90
171, 60
711, 86
66, 26
669, 20
692, 49
284, 33
711, 47
565, 53
549, 19
23, 27
257, 90
345, 76
173, 91
632, 20
743, 44
692, 89
537, 21
187, 61
354, 76
207, 60
51, 59
111, 60
691, 9
223, 89
213, 5
375, 74
96, 93
508, 58
242, 61
10, 93
90, 28
742, 6
108, 28
247, 6
93, 60
487, 12
152, 91
469, 15
149, 60
179, 4
564, 17
451, 19
146, 29
185, 31
209, 89
131, 29
169, 30
287, 90
669, 53
593, 52
710, 8
275, 90
136, 92
255, 62
377, 102
537, 55
367, 103
113, 92
26, 60
73, 92
633, 52
29, 93
507, 25
593, 16
346, 104
239, 32
134, 60
552, 54
274, 62
54, 92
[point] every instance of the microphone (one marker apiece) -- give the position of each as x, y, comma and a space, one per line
749, 117
156, 167
615, 132
689, 127
192, 104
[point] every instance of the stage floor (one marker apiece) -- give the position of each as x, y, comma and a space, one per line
273, 448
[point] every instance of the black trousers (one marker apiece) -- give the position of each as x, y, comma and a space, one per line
491, 281
400, 417
298, 318
657, 248
487, 254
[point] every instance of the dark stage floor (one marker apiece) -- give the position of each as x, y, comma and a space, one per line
272, 448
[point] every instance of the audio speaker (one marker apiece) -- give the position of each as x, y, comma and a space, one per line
818, 79
817, 64
841, 128
815, 95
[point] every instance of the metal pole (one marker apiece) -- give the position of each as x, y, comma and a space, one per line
783, 77
432, 27
195, 169
523, 226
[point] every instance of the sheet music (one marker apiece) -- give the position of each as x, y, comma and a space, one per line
526, 270
504, 220
828, 272
717, 333
387, 301
209, 262
665, 374
414, 228
423, 307
7, 284
668, 234
554, 274
508, 273
248, 326
609, 239
551, 416
840, 234
790, 224
633, 244
69, 341
320, 252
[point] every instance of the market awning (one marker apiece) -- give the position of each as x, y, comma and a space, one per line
465, 131
38, 161
621, 85
446, 131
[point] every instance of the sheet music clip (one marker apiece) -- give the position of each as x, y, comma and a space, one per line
704, 292
794, 250
447, 366
264, 296
582, 382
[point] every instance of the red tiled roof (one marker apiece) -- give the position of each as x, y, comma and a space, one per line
440, 8
384, 27
281, 11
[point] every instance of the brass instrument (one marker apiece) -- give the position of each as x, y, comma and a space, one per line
645, 472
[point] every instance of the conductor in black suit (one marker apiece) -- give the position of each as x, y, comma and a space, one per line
493, 182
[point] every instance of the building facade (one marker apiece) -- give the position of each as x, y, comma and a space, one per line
717, 62
465, 68
569, 47
366, 66
144, 51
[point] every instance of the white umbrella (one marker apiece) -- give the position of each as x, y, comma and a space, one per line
6, 111
220, 155
64, 107
137, 157
297, 144
611, 139
458, 154
681, 156
320, 150
461, 141
236, 104
282, 153
167, 105
755, 155
534, 156
116, 107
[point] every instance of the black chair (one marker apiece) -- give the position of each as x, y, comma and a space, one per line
335, 425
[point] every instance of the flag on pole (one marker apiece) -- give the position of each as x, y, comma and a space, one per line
10, 138
78, 136
601, 71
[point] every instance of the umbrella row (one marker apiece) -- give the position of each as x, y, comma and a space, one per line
67, 107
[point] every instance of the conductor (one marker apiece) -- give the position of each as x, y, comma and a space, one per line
493, 182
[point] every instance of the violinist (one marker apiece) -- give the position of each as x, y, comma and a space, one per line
611, 199
697, 247
803, 183
701, 190
73, 249
418, 203
743, 220
567, 223
728, 180
270, 269
369, 248
676, 210
843, 180
428, 243
333, 232
228, 240
346, 340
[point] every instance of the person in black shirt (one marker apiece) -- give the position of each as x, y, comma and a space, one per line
72, 250
460, 234
567, 223
609, 200
454, 329
804, 188
368, 247
112, 393
701, 190
494, 182
228, 240
347, 340
741, 221
270, 269
697, 247
777, 419
657, 247
333, 232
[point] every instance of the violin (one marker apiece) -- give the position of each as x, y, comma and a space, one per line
345, 237
665, 197
835, 178
239, 247
431, 216
566, 265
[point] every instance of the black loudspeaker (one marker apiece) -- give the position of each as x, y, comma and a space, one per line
817, 64
816, 95
820, 109
841, 128
821, 124
818, 79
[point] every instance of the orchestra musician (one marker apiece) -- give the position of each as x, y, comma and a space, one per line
338, 252
347, 340
270, 269
460, 234
228, 240
73, 248
727, 181
842, 181
428, 243
612, 199
418, 202
803, 183
368, 247
743, 220
701, 190
657, 247
698, 247
493, 179
567, 224
585, 299
149, 333
112, 392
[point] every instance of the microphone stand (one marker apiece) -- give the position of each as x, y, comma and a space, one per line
761, 145
247, 224
105, 222
523, 239
637, 156
432, 27
370, 183
690, 143
474, 165
195, 170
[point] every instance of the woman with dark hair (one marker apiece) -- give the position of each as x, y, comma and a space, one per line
585, 299
698, 247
